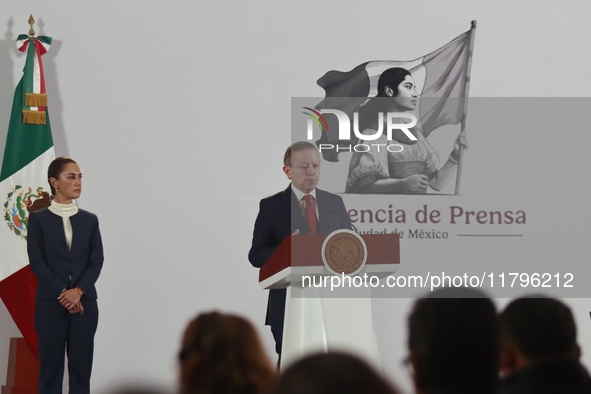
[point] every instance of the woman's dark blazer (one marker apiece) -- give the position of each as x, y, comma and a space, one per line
58, 268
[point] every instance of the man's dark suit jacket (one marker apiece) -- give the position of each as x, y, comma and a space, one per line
564, 376
56, 267
279, 216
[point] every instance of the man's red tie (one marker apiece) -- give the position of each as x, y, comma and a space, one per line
311, 214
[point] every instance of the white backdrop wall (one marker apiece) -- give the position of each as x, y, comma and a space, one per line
178, 113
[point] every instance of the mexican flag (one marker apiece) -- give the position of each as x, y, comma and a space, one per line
442, 79
23, 185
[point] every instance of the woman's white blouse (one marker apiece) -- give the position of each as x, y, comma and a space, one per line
65, 211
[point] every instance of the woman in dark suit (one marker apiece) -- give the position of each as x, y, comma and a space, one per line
66, 254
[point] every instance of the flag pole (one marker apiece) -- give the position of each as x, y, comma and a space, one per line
470, 52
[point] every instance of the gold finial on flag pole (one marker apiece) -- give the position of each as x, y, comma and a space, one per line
31, 22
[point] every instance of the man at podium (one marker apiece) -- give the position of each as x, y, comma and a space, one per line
301, 209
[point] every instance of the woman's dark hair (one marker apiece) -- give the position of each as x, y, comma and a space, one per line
392, 77
223, 354
56, 168
333, 372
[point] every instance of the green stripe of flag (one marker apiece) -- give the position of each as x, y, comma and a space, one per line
24, 142
28, 71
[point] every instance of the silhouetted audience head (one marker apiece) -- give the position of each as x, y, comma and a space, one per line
453, 341
537, 329
540, 354
329, 373
222, 354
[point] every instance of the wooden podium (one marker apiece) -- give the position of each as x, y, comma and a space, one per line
320, 318
23, 369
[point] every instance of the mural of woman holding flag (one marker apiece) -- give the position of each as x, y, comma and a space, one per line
413, 169
435, 87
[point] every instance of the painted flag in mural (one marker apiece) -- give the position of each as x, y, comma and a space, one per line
23, 185
441, 78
